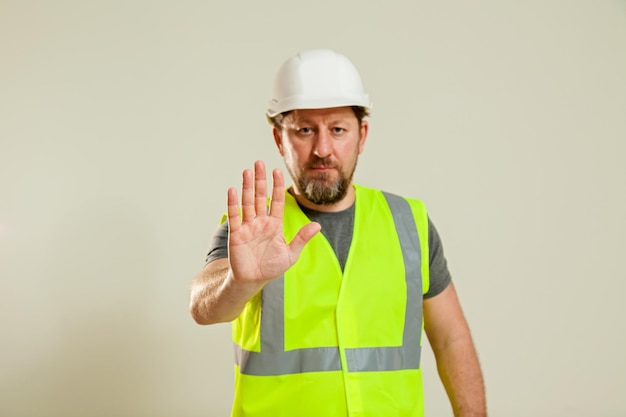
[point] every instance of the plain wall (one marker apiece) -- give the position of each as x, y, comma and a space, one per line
122, 124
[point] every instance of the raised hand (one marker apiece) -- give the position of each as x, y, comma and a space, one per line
257, 249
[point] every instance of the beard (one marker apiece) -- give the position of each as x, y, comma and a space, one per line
321, 190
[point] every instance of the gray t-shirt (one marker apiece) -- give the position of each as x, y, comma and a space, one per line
337, 229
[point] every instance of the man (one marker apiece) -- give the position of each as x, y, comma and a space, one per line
330, 324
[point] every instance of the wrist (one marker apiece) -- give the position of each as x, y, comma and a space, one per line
243, 287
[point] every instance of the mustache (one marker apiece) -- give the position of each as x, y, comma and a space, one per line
322, 162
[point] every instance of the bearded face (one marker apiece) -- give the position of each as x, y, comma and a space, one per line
321, 148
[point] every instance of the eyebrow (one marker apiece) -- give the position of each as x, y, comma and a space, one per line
309, 121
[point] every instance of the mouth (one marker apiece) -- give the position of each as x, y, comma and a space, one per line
322, 168
321, 173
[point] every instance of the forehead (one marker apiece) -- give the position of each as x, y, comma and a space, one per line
321, 115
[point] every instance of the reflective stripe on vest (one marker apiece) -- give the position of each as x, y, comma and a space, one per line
272, 359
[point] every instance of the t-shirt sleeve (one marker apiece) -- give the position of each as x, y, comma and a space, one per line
439, 274
218, 246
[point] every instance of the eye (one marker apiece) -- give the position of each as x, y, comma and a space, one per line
338, 130
305, 130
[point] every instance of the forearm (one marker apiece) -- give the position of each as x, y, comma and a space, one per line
216, 297
457, 361
462, 378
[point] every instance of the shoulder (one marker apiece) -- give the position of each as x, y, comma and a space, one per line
417, 206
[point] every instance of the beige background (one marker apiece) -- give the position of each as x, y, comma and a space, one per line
122, 123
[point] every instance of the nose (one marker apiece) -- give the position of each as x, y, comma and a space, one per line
323, 144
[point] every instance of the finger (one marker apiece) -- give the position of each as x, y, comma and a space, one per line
304, 235
277, 205
234, 220
247, 197
260, 189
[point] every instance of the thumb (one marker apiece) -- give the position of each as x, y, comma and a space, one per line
305, 234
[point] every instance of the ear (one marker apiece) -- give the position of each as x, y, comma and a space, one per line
364, 130
278, 140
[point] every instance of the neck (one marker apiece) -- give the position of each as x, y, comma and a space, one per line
341, 205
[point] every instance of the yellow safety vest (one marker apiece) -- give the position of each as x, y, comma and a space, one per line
321, 343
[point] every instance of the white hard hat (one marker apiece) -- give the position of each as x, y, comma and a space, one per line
316, 79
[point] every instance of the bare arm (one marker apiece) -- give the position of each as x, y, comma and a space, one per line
216, 297
257, 250
457, 361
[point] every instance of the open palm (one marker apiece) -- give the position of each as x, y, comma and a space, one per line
257, 248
